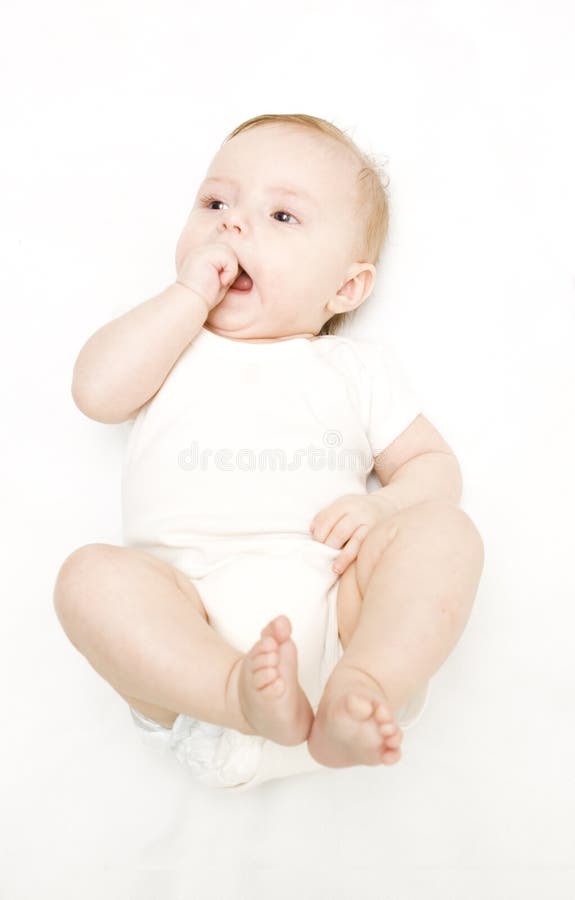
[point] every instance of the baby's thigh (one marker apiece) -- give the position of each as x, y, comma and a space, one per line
349, 601
97, 570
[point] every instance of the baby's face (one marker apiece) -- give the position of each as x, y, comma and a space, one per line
285, 206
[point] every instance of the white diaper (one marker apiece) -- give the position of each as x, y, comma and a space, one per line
242, 587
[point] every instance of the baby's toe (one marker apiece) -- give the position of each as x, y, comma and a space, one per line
383, 715
262, 660
263, 677
360, 707
392, 744
269, 642
393, 741
279, 629
388, 728
390, 757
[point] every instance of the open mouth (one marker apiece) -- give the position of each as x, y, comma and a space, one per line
243, 283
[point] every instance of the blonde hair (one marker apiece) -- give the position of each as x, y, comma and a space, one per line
372, 205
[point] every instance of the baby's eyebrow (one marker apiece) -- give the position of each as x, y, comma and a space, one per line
287, 190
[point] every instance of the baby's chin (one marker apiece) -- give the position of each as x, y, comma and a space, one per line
245, 298
238, 306
234, 299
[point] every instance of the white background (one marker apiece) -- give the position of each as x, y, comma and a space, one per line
111, 112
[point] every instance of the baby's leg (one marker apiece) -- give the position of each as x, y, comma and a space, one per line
418, 573
141, 624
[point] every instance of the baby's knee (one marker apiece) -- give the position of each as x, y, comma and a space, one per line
78, 570
448, 523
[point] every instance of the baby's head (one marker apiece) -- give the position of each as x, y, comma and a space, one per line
306, 213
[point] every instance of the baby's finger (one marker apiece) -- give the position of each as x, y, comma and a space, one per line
326, 518
323, 527
341, 532
350, 551
346, 557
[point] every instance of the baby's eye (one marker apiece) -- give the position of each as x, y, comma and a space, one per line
207, 201
282, 212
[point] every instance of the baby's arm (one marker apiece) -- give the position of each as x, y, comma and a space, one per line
419, 465
126, 361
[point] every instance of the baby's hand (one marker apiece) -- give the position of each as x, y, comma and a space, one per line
209, 270
349, 519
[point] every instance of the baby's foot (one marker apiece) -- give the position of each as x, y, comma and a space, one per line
354, 723
270, 695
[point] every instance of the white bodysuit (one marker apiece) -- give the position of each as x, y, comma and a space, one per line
224, 469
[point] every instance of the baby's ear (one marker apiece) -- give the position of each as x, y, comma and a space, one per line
360, 281
368, 273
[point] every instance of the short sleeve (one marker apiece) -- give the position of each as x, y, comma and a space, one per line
392, 401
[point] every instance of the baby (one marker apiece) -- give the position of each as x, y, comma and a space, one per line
254, 605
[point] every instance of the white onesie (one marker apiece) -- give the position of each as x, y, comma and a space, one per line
224, 469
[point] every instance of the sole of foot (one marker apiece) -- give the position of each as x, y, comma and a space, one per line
271, 698
354, 724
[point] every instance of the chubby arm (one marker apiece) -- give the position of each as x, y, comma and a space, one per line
126, 361
419, 465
